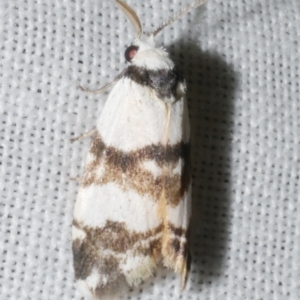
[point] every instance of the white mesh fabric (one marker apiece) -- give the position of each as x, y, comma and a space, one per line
241, 62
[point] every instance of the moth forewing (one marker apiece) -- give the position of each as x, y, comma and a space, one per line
134, 202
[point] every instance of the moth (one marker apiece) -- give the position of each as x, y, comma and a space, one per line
134, 203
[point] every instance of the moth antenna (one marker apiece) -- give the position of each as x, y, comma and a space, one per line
179, 15
131, 16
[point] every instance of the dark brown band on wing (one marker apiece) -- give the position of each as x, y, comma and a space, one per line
177, 231
164, 81
114, 236
87, 258
126, 169
159, 153
177, 240
103, 250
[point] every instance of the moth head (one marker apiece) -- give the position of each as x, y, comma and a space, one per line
145, 41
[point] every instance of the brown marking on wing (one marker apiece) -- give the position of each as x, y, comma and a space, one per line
175, 250
177, 231
125, 169
86, 258
89, 254
114, 236
176, 243
97, 146
169, 154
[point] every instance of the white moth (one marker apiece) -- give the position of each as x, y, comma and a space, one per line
134, 203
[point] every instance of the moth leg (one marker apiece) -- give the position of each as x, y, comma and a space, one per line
104, 88
84, 135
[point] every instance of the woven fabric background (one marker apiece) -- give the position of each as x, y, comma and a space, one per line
241, 61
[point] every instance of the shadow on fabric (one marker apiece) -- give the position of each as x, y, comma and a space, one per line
211, 86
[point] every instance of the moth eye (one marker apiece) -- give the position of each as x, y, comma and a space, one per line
131, 52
